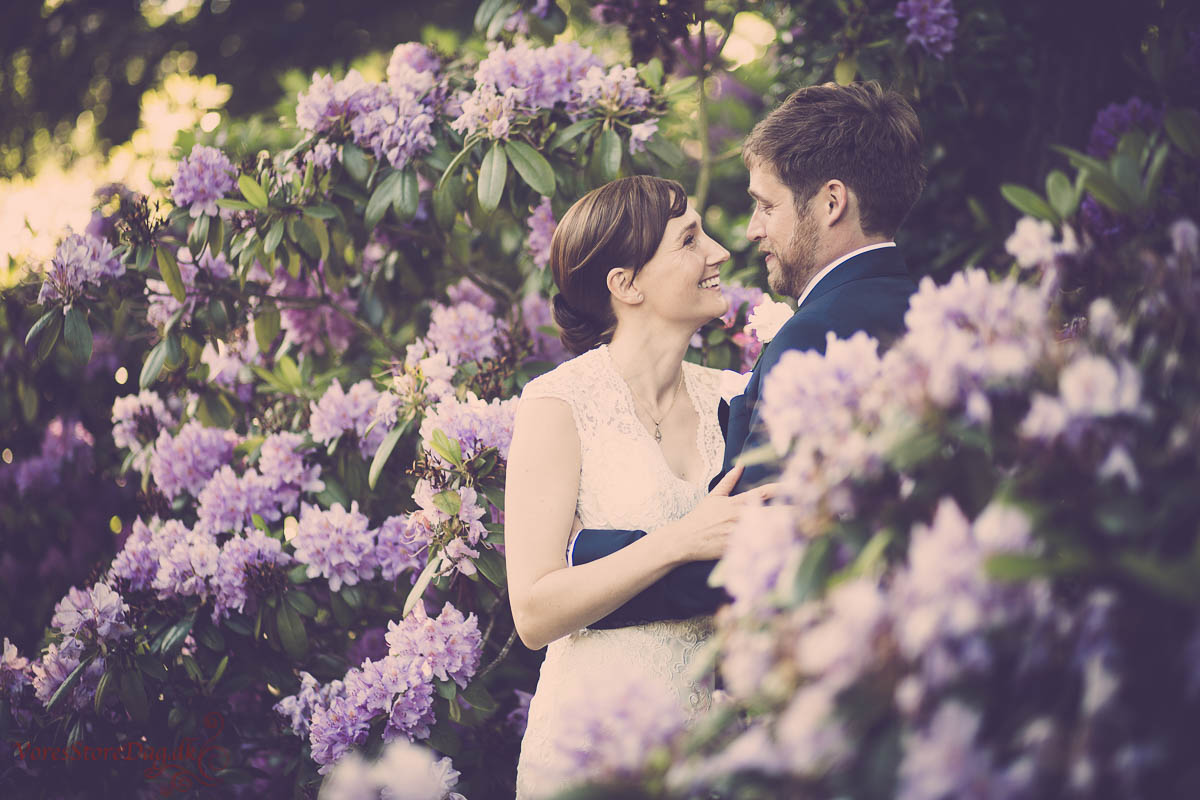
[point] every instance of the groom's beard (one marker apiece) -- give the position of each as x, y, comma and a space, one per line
798, 262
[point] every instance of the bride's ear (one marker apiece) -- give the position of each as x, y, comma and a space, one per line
620, 285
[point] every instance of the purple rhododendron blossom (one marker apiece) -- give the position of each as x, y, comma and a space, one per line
97, 613
1115, 120
202, 178
186, 461
56, 664
337, 544
339, 412
79, 260
931, 24
462, 332
450, 643
243, 559
475, 424
400, 544
541, 232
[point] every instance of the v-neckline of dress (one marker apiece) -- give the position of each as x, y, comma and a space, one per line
697, 444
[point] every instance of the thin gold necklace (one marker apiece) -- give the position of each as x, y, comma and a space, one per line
658, 422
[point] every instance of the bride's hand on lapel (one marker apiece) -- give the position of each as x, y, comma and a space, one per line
702, 534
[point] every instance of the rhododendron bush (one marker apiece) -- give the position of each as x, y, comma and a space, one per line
979, 577
332, 341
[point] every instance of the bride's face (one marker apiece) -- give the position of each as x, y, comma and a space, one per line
682, 280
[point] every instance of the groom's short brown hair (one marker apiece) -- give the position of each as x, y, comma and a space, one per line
860, 134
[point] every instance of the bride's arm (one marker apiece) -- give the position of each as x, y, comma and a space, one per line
550, 600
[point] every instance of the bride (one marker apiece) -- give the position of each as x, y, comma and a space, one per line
624, 436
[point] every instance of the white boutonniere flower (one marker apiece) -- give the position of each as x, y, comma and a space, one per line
767, 318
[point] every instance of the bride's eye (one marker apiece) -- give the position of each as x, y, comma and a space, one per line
689, 240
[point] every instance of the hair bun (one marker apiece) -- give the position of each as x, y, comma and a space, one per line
578, 332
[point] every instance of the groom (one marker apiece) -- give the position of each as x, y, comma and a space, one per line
833, 173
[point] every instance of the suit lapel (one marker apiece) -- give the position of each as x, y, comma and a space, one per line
880, 263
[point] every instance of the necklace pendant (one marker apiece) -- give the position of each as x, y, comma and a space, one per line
657, 433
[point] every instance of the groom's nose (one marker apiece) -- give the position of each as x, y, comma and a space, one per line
754, 228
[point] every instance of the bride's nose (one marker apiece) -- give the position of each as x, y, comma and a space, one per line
717, 254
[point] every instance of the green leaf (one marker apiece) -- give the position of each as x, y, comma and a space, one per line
253, 192
142, 258
444, 208
321, 233
133, 695
457, 161
174, 636
170, 273
300, 601
1021, 567
151, 666
381, 199
1183, 128
651, 73
406, 196
491, 565
666, 151
290, 372
443, 739
479, 698
210, 636
483, 15
43, 321
1029, 202
102, 687
1128, 175
846, 69
492, 176
198, 235
532, 167
274, 237
49, 339
1061, 193
608, 154
303, 236
422, 583
385, 451
266, 328
218, 672
447, 448
446, 689
321, 212
1107, 191
292, 634
355, 162
352, 595
495, 496
342, 613
814, 569
234, 204
448, 501
153, 365
680, 86
78, 335
69, 684
506, 10
572, 132
216, 234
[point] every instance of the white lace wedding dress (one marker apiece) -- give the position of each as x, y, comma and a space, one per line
624, 483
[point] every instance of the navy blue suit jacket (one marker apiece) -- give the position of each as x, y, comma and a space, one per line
868, 292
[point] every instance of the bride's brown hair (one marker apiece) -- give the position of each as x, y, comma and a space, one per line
619, 224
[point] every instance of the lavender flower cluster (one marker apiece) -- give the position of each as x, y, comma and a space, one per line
399, 687
316, 329
185, 462
513, 84
393, 120
475, 424
79, 261
541, 233
339, 412
403, 771
202, 178
65, 453
337, 544
930, 23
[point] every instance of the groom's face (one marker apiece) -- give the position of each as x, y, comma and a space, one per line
786, 236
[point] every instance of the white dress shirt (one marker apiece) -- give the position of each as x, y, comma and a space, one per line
812, 284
